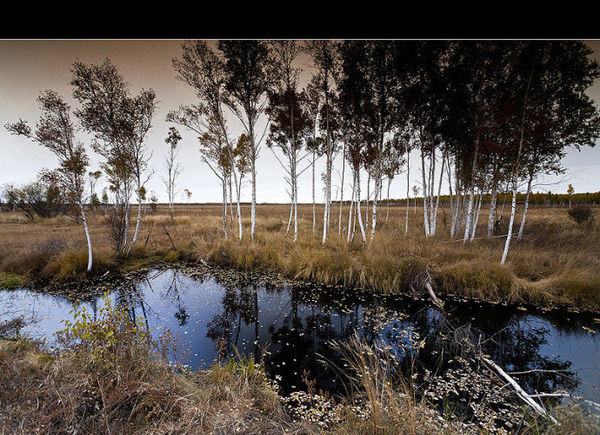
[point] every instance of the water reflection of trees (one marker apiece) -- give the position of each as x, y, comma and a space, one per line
298, 324
240, 304
513, 345
300, 328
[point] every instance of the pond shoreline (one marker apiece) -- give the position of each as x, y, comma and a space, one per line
86, 287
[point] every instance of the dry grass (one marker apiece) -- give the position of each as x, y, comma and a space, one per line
112, 380
389, 400
557, 262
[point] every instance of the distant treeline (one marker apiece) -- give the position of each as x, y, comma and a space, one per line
548, 199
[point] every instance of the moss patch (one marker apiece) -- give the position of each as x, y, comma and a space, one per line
12, 280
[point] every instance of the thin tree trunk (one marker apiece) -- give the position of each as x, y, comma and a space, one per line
314, 205
295, 203
513, 211
471, 193
239, 210
387, 213
492, 216
326, 210
425, 211
87, 236
253, 173
450, 195
348, 235
474, 227
358, 213
407, 188
126, 235
289, 224
224, 217
230, 199
368, 199
431, 191
374, 218
515, 174
520, 235
437, 201
342, 188
137, 224
253, 209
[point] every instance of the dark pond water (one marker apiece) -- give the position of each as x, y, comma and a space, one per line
296, 325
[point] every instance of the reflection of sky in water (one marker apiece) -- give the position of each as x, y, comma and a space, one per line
295, 329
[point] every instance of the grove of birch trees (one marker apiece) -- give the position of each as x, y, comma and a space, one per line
479, 119
484, 117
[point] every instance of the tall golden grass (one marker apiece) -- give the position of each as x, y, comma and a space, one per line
557, 262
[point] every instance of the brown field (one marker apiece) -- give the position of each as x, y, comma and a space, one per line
557, 262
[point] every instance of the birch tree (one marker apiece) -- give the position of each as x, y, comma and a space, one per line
56, 132
382, 111
119, 124
214, 145
324, 57
247, 82
289, 123
203, 70
314, 142
352, 102
173, 167
419, 68
552, 75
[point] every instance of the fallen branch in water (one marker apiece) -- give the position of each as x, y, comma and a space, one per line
429, 288
520, 392
495, 368
556, 372
569, 395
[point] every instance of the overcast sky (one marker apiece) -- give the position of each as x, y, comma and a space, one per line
28, 67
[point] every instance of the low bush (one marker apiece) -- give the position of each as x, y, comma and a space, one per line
581, 214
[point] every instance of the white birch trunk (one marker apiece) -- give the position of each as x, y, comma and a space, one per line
425, 211
513, 212
289, 224
407, 189
253, 208
295, 177
88, 238
137, 224
492, 216
374, 218
348, 232
522, 226
358, 213
387, 214
437, 201
342, 188
239, 210
224, 217
474, 226
314, 205
126, 235
368, 199
471, 193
